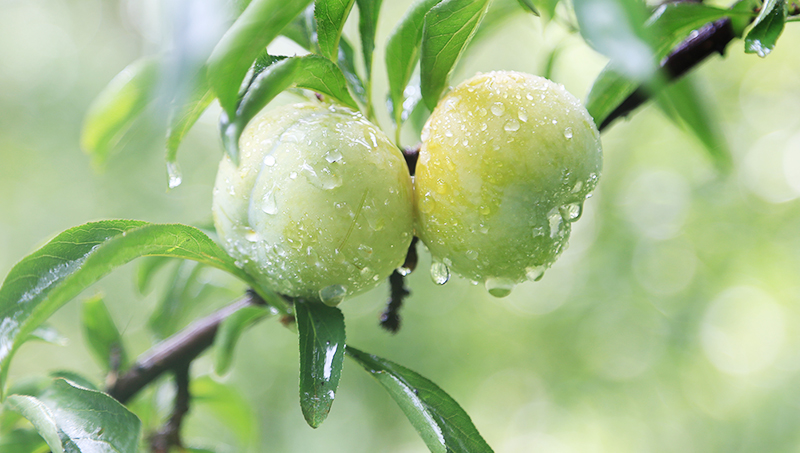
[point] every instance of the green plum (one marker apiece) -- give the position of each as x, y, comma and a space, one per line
320, 206
506, 162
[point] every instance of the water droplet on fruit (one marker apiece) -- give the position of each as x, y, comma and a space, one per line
333, 156
269, 204
332, 295
522, 116
538, 231
174, 174
578, 187
571, 212
499, 287
269, 160
512, 125
428, 204
440, 273
251, 235
534, 273
529, 97
472, 254
554, 217
498, 108
482, 112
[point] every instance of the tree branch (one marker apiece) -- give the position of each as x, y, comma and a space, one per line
176, 351
390, 318
708, 40
170, 434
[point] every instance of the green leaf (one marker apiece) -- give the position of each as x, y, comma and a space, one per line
229, 332
439, 420
528, 4
671, 23
449, 26
609, 90
227, 405
312, 72
767, 27
615, 28
147, 270
256, 27
21, 441
347, 64
331, 16
683, 104
184, 112
303, 29
48, 278
79, 420
402, 52
322, 347
104, 340
174, 304
368, 12
48, 334
116, 108
75, 378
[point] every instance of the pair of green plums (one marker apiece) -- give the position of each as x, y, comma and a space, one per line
322, 206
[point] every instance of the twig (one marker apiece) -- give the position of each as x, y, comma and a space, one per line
708, 40
390, 318
177, 351
170, 434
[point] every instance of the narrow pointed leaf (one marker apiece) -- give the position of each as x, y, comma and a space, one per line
49, 334
184, 112
402, 51
368, 12
229, 332
117, 107
79, 420
48, 278
256, 27
528, 4
147, 270
439, 420
302, 30
322, 348
331, 16
312, 72
609, 90
683, 104
449, 26
767, 27
21, 441
176, 300
104, 340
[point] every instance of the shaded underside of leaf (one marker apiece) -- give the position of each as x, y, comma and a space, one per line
368, 13
767, 27
331, 16
443, 425
102, 334
322, 348
229, 332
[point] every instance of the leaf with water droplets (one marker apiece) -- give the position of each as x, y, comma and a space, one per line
449, 26
767, 27
322, 348
48, 278
256, 27
184, 112
441, 423
75, 419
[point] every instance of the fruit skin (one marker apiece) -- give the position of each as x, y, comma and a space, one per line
320, 206
507, 160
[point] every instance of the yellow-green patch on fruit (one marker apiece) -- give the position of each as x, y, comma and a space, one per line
320, 206
507, 160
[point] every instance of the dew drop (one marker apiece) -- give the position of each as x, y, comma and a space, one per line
333, 156
251, 235
472, 254
529, 97
568, 133
538, 231
448, 134
498, 108
512, 125
555, 121
482, 112
500, 286
578, 187
554, 217
534, 273
484, 126
428, 204
269, 204
174, 174
440, 273
571, 212
269, 160
523, 116
332, 295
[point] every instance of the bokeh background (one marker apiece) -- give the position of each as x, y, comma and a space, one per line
668, 325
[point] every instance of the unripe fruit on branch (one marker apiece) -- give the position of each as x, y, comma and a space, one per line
320, 206
507, 160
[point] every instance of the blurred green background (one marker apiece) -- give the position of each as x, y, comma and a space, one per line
668, 324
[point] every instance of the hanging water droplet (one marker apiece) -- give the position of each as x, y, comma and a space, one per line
498, 108
332, 295
534, 273
512, 125
440, 273
499, 287
174, 174
571, 212
269, 205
